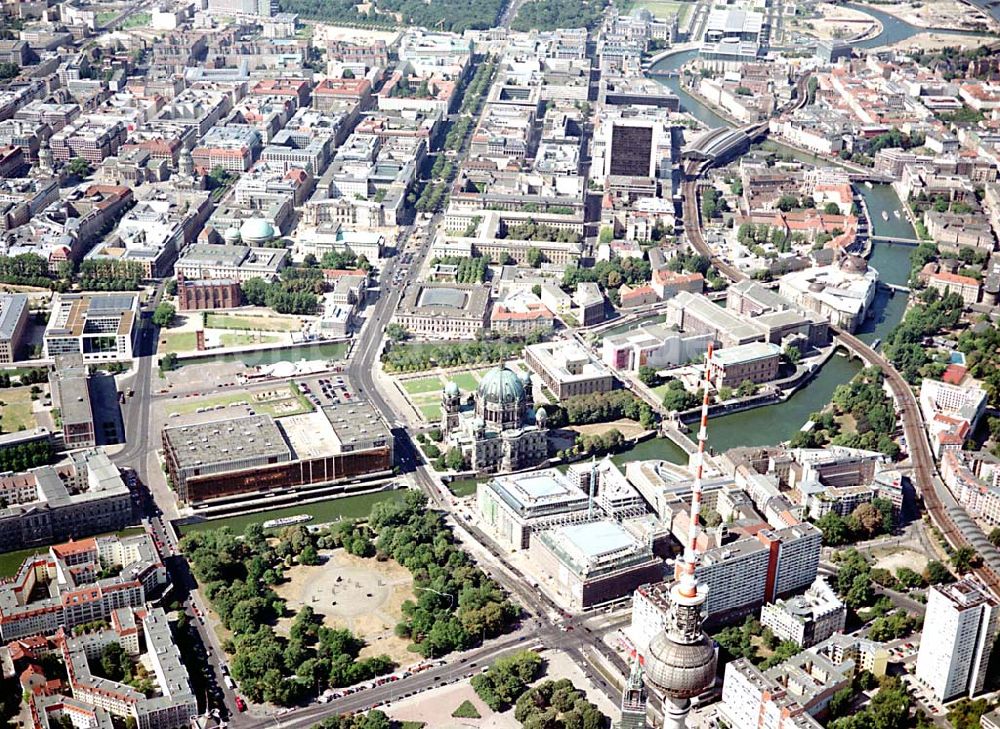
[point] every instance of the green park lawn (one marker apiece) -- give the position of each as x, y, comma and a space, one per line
259, 323
466, 381
663, 9
15, 412
179, 342
422, 385
430, 411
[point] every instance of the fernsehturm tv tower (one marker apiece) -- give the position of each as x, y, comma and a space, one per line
682, 659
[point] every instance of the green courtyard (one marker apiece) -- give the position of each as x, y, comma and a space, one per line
424, 393
663, 9
15, 410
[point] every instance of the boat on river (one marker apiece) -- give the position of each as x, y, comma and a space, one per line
286, 521
885, 215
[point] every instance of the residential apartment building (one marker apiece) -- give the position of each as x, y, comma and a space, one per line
950, 412
960, 625
63, 588
92, 138
808, 618
965, 286
791, 694
144, 633
741, 576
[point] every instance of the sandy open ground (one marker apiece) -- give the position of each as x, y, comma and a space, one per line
935, 41
893, 559
628, 428
364, 595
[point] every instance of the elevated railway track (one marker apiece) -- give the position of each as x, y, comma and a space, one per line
955, 525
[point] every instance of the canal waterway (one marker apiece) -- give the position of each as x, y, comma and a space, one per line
776, 423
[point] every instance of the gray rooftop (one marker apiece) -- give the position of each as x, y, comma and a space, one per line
539, 493
71, 394
12, 308
218, 255
225, 441
357, 425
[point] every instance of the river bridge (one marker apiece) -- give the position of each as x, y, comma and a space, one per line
894, 287
870, 177
896, 239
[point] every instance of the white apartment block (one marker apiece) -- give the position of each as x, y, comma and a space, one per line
789, 695
144, 633
960, 626
950, 412
808, 618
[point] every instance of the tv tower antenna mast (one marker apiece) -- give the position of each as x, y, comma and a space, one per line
682, 659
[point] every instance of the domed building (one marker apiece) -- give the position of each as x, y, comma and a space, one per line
503, 398
256, 232
497, 433
232, 236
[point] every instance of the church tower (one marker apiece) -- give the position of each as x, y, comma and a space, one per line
634, 698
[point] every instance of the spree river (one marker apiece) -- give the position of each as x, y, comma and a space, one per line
776, 423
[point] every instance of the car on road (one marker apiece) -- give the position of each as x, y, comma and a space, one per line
241, 705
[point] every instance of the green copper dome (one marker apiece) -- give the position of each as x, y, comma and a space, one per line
256, 230
501, 386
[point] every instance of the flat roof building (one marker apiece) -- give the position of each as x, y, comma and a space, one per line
54, 503
64, 587
69, 383
791, 694
13, 321
514, 506
237, 262
808, 618
757, 362
654, 345
697, 314
144, 634
99, 327
256, 454
593, 562
741, 576
963, 619
568, 369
